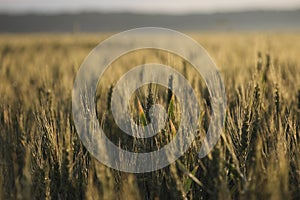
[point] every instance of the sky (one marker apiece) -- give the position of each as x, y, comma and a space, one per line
144, 6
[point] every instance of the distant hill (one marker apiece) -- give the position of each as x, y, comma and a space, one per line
95, 22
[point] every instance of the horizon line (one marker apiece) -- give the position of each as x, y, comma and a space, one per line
127, 11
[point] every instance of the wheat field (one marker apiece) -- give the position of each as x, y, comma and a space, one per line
257, 156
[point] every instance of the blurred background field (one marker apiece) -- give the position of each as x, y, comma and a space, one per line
258, 155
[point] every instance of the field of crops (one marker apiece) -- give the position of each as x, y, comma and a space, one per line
257, 156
